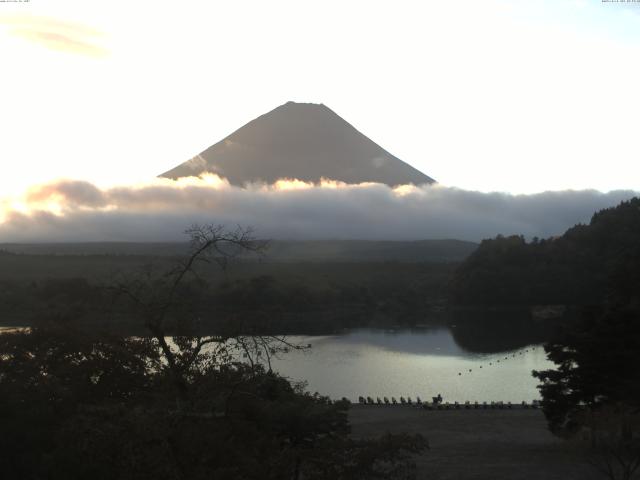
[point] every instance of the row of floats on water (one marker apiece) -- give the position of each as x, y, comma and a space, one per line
437, 403
496, 361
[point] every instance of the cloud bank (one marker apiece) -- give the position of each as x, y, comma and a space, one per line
70, 210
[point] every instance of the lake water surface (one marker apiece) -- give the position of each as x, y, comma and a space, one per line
411, 363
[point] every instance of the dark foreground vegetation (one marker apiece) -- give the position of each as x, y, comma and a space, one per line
75, 406
77, 402
595, 388
594, 392
162, 369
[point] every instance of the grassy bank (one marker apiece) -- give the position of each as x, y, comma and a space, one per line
479, 444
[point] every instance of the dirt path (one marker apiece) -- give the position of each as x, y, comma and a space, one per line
479, 444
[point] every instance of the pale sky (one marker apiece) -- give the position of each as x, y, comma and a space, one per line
487, 95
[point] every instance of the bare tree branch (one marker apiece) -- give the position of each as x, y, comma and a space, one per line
156, 296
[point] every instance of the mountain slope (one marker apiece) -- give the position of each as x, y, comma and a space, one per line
303, 141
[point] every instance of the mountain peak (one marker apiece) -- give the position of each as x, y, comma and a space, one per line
291, 103
307, 141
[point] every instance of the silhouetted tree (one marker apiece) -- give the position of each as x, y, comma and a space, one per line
615, 455
596, 365
596, 383
167, 304
173, 404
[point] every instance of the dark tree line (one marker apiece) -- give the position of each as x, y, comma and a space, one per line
595, 388
572, 269
273, 302
76, 402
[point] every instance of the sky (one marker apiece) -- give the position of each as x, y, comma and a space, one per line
517, 97
511, 96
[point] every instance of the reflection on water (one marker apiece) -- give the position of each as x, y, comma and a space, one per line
412, 363
409, 363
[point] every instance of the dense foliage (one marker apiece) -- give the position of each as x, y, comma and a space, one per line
296, 298
572, 269
596, 365
598, 354
76, 403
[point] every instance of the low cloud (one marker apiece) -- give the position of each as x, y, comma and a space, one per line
289, 209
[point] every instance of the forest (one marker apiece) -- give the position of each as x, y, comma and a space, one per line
573, 269
287, 297
78, 402
160, 367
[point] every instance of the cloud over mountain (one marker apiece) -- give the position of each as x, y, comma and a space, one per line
289, 209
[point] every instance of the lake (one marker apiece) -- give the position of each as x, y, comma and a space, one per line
412, 363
